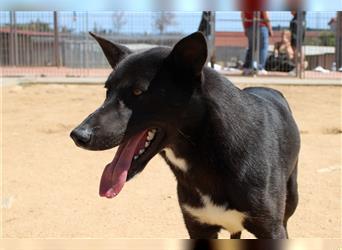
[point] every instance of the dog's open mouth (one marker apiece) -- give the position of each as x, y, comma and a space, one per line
131, 156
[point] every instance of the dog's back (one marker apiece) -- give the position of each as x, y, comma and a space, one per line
268, 94
282, 120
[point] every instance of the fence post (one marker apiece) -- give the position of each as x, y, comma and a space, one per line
56, 39
207, 27
212, 38
256, 40
338, 49
88, 45
299, 45
253, 43
13, 56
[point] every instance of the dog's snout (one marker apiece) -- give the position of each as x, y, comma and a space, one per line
81, 136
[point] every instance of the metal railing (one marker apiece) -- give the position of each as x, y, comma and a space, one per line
57, 43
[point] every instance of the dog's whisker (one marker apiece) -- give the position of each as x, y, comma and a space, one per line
186, 137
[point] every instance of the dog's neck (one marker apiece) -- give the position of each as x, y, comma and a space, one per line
217, 107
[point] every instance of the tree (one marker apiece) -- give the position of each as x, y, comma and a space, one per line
65, 29
327, 38
95, 29
164, 19
118, 21
33, 25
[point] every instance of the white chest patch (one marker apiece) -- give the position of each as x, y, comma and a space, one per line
180, 163
212, 214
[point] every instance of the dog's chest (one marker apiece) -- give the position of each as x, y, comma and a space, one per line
209, 213
177, 162
212, 214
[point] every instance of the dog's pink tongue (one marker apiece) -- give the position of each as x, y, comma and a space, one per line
115, 173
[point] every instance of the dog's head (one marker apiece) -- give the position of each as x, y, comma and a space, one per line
147, 94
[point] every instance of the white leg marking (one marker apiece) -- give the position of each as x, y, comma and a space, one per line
177, 162
213, 214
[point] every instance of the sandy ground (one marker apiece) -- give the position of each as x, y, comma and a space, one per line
50, 187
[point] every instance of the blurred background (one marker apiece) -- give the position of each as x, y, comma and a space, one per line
57, 43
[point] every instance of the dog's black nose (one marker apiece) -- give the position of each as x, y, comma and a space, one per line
80, 136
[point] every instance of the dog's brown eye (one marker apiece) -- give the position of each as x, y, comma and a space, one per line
137, 92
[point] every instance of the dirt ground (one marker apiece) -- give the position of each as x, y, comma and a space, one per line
50, 186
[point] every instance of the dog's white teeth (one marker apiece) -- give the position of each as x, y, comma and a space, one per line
150, 135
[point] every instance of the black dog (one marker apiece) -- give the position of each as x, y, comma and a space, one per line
234, 152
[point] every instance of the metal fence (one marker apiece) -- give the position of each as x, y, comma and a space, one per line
58, 43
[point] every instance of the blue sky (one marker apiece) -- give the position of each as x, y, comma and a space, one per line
148, 5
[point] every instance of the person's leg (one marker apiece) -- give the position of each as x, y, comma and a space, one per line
248, 58
263, 47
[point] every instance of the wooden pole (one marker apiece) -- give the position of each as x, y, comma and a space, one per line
13, 55
212, 40
338, 51
299, 45
56, 39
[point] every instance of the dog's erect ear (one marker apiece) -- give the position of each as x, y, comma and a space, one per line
190, 53
114, 52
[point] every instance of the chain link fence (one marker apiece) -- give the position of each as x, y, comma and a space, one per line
58, 44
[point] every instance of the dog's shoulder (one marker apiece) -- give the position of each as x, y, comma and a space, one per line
269, 95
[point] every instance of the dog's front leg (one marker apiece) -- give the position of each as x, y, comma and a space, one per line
236, 236
270, 230
198, 230
278, 232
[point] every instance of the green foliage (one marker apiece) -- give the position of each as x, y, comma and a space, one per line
325, 38
35, 26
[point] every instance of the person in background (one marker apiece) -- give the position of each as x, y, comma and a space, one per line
206, 29
282, 58
265, 32
284, 46
293, 28
294, 37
